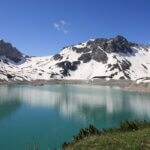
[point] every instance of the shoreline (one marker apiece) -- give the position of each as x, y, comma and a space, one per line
111, 82
127, 85
139, 87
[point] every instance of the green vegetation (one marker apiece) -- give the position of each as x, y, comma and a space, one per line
133, 135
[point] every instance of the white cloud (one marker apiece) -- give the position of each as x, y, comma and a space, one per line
62, 26
56, 26
63, 22
66, 31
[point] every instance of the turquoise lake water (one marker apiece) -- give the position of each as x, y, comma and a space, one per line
50, 115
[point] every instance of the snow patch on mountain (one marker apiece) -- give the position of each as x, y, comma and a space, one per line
97, 58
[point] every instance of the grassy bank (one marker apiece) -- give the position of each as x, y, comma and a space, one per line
130, 136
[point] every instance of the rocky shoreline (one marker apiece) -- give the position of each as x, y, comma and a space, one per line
143, 87
128, 85
63, 81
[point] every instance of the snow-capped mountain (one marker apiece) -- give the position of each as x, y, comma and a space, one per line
114, 58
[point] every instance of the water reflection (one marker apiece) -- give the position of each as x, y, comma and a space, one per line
78, 102
7, 108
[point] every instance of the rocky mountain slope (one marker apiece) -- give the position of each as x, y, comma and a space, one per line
114, 58
7, 51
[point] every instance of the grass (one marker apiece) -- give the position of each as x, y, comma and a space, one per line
133, 135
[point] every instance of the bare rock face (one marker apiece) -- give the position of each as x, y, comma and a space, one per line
85, 57
119, 44
99, 56
57, 57
7, 50
67, 66
99, 42
81, 50
116, 45
97, 49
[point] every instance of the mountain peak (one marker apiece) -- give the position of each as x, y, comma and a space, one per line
10, 52
120, 38
112, 45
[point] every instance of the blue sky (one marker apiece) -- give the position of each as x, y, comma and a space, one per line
44, 27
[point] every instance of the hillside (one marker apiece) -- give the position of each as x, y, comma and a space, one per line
114, 58
133, 135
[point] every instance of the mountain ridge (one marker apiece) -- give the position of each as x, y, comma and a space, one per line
114, 58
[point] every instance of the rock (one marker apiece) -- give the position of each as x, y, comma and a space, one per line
126, 75
85, 57
113, 74
122, 78
120, 65
97, 42
116, 45
81, 50
101, 77
145, 67
7, 50
67, 66
99, 56
125, 65
9, 76
53, 75
76, 63
57, 57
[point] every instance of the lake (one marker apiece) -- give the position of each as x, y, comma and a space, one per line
50, 115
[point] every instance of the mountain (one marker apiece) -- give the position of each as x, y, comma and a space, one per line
114, 58
10, 52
